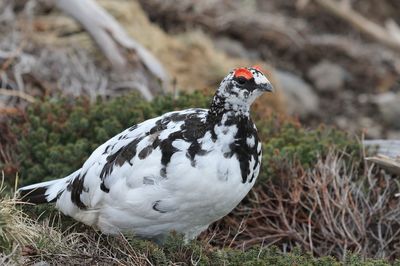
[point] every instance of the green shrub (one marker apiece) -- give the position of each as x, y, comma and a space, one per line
58, 135
286, 142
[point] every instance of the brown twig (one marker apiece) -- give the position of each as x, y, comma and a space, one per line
10, 111
19, 94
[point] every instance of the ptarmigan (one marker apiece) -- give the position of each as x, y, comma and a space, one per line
177, 172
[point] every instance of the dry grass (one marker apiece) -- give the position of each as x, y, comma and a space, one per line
329, 210
24, 240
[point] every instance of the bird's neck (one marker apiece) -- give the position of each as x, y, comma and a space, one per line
221, 107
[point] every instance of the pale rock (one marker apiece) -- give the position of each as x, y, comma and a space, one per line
389, 106
327, 76
300, 97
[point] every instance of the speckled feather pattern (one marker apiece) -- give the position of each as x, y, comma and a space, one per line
180, 171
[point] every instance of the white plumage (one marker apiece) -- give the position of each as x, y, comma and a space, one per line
180, 171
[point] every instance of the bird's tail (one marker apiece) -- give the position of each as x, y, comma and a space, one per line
44, 192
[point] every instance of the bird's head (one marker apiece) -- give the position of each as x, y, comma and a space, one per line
240, 88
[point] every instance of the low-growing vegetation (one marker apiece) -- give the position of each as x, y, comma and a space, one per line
24, 241
316, 201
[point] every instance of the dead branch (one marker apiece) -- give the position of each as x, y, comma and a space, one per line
19, 94
110, 36
388, 154
388, 36
390, 164
10, 111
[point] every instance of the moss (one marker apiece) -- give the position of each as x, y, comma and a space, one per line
286, 142
355, 260
272, 256
175, 251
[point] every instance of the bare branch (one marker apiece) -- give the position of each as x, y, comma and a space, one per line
110, 36
19, 94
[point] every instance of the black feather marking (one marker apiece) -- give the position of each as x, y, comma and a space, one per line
76, 187
132, 128
252, 177
167, 148
195, 149
160, 125
146, 151
126, 153
193, 128
34, 195
58, 195
229, 154
176, 117
163, 172
256, 164
106, 149
109, 165
239, 147
123, 155
156, 143
104, 188
156, 207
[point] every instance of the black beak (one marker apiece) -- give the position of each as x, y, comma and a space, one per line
267, 87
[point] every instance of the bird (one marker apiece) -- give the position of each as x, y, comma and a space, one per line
178, 172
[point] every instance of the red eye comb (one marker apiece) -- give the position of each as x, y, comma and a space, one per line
243, 72
256, 67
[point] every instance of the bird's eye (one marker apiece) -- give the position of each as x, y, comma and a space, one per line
241, 80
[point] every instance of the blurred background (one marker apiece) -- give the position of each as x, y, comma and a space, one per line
64, 64
333, 62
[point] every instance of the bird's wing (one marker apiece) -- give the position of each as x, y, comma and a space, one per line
134, 158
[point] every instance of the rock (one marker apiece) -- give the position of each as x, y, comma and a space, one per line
327, 76
388, 147
342, 122
234, 48
363, 98
393, 134
300, 97
389, 106
372, 128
